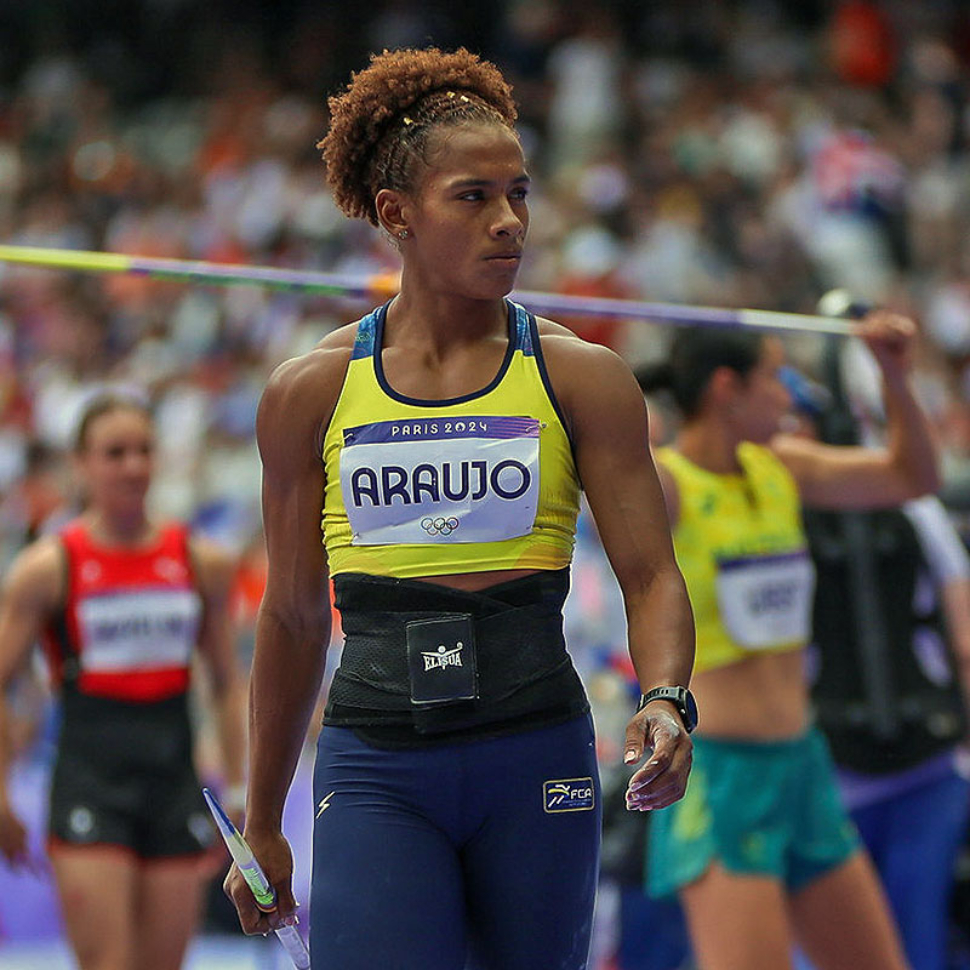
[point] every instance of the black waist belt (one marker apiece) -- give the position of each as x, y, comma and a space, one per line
440, 659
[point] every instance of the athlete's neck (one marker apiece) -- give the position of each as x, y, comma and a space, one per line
708, 446
119, 530
439, 321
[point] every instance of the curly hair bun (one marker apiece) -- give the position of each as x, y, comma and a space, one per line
381, 120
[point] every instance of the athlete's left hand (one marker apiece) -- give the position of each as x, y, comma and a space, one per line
657, 730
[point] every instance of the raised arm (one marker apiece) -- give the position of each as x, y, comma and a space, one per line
608, 424
30, 594
830, 476
293, 623
218, 650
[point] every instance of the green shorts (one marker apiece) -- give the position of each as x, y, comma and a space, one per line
761, 808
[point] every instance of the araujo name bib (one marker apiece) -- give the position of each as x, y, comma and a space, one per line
481, 482
441, 479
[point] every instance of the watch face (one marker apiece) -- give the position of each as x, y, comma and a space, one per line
690, 709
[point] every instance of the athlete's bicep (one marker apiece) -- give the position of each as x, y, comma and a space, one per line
610, 431
288, 434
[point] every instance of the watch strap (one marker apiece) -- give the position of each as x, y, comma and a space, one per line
680, 697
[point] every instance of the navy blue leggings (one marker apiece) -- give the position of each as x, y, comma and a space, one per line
482, 854
914, 840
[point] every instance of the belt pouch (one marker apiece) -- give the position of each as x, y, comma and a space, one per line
442, 664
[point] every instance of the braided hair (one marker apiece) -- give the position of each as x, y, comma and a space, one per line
380, 125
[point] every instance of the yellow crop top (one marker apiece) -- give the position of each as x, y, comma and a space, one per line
423, 488
741, 547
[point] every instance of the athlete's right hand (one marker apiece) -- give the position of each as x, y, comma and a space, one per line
273, 853
13, 839
657, 730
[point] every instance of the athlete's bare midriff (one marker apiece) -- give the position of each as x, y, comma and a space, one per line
762, 697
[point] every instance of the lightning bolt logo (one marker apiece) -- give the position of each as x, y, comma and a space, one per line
324, 804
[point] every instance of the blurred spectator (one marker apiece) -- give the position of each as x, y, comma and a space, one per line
890, 666
863, 47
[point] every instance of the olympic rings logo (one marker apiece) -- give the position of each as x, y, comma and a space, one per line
439, 526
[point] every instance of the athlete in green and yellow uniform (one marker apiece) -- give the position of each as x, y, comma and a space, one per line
740, 544
759, 848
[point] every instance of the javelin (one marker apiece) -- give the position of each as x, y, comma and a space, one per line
384, 285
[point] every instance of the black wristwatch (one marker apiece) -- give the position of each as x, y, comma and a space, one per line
680, 697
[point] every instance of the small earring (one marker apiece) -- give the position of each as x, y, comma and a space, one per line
403, 234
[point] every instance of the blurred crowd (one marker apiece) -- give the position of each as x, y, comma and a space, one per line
745, 154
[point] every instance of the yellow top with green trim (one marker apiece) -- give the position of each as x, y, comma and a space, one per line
741, 546
424, 488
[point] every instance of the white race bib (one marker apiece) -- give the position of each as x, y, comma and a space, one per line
144, 629
436, 480
766, 601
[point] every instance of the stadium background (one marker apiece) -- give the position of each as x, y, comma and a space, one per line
743, 154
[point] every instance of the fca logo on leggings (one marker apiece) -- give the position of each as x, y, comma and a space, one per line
568, 795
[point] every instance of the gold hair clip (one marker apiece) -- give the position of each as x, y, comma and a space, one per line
407, 121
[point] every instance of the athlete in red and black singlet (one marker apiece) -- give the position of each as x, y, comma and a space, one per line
124, 606
121, 652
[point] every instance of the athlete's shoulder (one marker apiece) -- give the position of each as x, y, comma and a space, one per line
564, 343
767, 458
311, 382
340, 337
579, 363
37, 573
549, 328
214, 563
591, 382
300, 395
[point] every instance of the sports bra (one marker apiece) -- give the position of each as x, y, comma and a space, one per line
485, 481
741, 546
